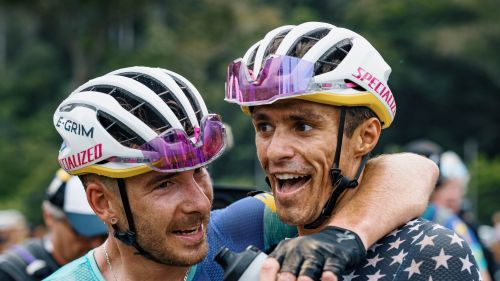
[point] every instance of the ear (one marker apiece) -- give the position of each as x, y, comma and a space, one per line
47, 218
366, 136
101, 200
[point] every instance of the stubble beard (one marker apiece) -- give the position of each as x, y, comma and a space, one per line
290, 214
156, 244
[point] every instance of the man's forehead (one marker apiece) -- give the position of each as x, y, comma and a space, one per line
294, 109
150, 178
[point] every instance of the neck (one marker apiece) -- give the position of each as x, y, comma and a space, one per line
341, 202
126, 265
55, 252
343, 199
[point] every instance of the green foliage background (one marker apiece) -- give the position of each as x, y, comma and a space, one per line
443, 54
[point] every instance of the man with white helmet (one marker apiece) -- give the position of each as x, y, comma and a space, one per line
318, 98
73, 229
140, 139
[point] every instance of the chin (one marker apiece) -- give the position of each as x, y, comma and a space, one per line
290, 216
198, 256
297, 216
190, 257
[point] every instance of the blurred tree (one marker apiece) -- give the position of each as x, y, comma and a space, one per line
486, 183
443, 96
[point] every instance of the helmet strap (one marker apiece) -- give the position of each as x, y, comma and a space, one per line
339, 182
129, 237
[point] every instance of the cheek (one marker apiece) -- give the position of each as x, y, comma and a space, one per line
319, 153
207, 189
261, 147
205, 184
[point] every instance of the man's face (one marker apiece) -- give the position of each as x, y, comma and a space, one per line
296, 143
68, 245
171, 213
449, 195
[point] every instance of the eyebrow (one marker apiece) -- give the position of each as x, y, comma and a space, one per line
260, 116
162, 177
305, 115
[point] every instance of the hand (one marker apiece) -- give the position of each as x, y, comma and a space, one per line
321, 255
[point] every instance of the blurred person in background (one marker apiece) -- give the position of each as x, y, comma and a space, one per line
483, 233
495, 247
13, 228
73, 229
446, 200
496, 225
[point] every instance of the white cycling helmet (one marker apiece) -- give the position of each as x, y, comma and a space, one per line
134, 120
452, 167
339, 67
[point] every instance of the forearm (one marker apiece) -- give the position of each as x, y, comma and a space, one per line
394, 189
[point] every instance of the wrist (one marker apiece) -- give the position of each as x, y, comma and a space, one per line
349, 241
355, 227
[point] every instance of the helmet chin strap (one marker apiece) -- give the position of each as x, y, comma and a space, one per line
339, 182
129, 237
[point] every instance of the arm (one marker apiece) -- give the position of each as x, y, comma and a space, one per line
394, 189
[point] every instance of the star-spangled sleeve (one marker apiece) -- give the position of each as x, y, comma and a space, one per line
419, 250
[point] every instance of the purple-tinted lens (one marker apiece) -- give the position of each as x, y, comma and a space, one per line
174, 151
280, 76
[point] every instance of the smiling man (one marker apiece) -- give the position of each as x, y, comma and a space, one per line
318, 98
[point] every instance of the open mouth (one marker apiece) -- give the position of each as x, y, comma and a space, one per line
188, 231
291, 182
190, 236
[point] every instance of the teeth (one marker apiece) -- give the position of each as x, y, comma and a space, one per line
187, 231
288, 176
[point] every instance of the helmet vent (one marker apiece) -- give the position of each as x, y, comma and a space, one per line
167, 96
251, 61
119, 131
192, 100
306, 41
274, 44
136, 106
333, 57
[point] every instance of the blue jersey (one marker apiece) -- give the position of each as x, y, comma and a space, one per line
250, 221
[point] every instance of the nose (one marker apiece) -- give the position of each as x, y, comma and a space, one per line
197, 197
279, 147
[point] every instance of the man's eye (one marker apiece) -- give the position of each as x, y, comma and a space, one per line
200, 171
263, 127
165, 184
302, 127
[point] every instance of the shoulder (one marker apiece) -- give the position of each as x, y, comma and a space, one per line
16, 262
250, 219
9, 269
83, 268
247, 211
419, 249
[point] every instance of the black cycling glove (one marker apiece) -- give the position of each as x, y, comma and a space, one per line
332, 249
